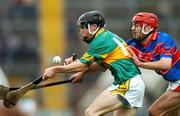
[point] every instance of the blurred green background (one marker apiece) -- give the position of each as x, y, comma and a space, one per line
33, 31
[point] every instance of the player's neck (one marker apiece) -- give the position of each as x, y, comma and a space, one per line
145, 41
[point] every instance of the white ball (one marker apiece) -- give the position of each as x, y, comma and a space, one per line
56, 59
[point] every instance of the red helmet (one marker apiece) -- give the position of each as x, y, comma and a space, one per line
148, 18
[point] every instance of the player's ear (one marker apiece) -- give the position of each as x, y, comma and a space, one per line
94, 26
148, 28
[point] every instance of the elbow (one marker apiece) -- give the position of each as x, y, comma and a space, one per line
166, 64
166, 67
82, 68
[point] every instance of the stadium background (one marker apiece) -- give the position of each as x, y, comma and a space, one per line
33, 31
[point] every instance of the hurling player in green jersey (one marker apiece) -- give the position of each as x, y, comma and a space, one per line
106, 51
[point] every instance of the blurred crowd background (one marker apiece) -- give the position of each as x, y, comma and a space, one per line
33, 31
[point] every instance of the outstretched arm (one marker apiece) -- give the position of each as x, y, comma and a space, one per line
70, 68
77, 77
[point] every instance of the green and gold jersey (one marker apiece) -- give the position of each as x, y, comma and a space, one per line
109, 50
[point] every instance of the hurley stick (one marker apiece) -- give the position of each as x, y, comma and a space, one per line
12, 97
4, 89
44, 85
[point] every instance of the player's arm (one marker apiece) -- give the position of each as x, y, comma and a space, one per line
78, 77
70, 68
162, 64
92, 68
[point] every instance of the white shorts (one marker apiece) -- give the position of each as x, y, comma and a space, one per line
175, 86
131, 92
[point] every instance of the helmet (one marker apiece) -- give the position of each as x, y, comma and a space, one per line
92, 17
148, 18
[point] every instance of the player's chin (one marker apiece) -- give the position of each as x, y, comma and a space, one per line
135, 37
81, 37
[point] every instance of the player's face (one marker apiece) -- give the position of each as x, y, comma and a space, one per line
136, 31
84, 34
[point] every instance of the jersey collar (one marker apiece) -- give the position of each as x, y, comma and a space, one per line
99, 32
153, 36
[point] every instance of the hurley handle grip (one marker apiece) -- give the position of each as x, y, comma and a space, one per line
74, 56
37, 81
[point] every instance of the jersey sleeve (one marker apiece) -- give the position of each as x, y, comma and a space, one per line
167, 49
97, 52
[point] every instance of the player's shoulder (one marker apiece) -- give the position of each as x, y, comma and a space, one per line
165, 37
102, 39
106, 37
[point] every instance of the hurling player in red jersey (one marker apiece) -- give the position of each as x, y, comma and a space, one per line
157, 51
